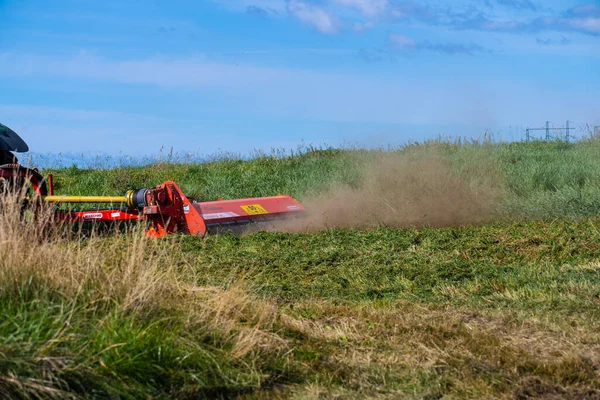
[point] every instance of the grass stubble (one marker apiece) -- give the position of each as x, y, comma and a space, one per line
356, 302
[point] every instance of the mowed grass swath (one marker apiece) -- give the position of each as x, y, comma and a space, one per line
443, 269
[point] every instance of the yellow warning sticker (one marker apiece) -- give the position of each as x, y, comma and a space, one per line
254, 209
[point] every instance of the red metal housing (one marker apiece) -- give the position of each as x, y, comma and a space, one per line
169, 211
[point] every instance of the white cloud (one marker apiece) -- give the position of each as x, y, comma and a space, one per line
589, 25
182, 72
314, 16
207, 90
362, 26
278, 6
401, 41
370, 8
274, 92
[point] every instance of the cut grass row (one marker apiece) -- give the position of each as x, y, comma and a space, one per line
521, 266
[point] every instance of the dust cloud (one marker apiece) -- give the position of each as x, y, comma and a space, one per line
403, 191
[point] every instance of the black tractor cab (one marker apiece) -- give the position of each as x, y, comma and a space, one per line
9, 142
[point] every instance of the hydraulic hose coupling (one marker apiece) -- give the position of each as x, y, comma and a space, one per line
136, 199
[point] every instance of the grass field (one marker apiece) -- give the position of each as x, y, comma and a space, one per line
479, 279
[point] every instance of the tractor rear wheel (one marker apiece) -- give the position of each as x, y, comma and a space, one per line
20, 180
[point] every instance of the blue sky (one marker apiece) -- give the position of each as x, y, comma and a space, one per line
235, 75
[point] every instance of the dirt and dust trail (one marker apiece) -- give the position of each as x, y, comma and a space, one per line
402, 191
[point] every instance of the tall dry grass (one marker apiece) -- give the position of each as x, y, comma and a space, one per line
35, 251
97, 312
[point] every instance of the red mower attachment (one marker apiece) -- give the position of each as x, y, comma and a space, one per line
169, 211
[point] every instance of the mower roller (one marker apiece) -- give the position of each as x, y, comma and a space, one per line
164, 208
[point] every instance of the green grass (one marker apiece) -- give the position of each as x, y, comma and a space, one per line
454, 266
542, 179
505, 309
230, 178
